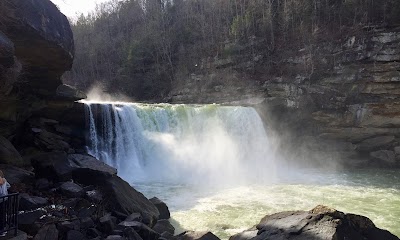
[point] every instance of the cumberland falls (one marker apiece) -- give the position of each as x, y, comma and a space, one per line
218, 170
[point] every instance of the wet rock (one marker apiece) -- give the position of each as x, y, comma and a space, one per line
75, 235
162, 208
27, 202
107, 223
71, 189
69, 93
125, 199
47, 232
319, 223
8, 154
164, 226
384, 156
191, 235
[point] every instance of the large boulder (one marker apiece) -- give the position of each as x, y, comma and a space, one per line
43, 39
124, 199
16, 175
162, 208
318, 224
8, 154
27, 202
71, 190
61, 166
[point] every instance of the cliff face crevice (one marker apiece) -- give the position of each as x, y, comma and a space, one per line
333, 96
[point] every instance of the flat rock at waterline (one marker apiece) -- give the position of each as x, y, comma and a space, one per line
321, 223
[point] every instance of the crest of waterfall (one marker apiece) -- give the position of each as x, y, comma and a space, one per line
181, 143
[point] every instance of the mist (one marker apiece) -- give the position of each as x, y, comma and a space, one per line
98, 94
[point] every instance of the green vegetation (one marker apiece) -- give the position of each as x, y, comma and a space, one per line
137, 46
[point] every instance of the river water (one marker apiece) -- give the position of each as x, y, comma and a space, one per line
217, 169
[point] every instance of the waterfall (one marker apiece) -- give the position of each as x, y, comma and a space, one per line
180, 143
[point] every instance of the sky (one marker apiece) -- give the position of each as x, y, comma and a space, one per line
71, 8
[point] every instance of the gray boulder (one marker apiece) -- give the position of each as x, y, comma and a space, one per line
318, 224
62, 167
162, 208
107, 223
123, 198
142, 229
16, 175
71, 189
8, 154
27, 202
164, 226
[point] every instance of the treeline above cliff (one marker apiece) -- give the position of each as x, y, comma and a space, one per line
137, 47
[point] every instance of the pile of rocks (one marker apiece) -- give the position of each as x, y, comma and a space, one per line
75, 196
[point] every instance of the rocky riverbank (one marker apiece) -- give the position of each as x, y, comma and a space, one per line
74, 196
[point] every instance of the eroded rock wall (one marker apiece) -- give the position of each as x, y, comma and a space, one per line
38, 112
335, 96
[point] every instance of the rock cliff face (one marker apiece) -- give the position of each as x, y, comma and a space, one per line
338, 96
36, 48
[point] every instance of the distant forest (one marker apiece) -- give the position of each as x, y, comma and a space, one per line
137, 46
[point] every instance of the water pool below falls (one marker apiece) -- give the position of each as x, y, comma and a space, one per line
216, 167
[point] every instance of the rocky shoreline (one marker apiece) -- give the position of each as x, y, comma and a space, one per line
76, 197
